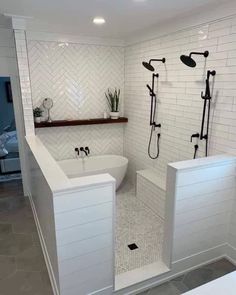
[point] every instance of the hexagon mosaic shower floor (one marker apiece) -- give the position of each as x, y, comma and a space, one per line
136, 224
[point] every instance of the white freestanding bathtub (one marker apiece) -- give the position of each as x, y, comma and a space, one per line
116, 166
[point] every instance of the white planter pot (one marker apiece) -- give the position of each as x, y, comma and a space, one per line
37, 119
114, 115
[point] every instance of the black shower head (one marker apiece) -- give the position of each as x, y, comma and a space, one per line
148, 66
189, 61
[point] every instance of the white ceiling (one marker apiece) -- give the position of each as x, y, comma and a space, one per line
123, 17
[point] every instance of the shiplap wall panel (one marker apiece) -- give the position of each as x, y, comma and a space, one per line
77, 201
203, 207
84, 232
83, 215
79, 248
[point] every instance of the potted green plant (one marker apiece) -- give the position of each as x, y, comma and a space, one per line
37, 115
113, 99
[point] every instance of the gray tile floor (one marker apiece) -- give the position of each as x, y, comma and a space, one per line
22, 267
193, 279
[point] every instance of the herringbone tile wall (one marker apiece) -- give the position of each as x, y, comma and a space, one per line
101, 139
76, 76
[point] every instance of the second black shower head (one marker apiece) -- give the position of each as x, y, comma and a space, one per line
189, 61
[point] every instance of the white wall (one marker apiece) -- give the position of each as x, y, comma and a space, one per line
179, 89
41, 197
22, 62
84, 230
76, 76
101, 139
75, 224
204, 198
8, 68
199, 204
232, 232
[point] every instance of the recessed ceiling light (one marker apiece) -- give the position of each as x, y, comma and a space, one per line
99, 20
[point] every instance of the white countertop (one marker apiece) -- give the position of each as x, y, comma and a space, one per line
225, 285
203, 162
56, 178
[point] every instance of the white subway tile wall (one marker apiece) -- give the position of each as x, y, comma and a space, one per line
7, 53
76, 76
22, 60
151, 195
179, 94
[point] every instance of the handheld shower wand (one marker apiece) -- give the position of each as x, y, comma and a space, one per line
206, 107
153, 96
190, 62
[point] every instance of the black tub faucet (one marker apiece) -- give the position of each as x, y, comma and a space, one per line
85, 150
77, 151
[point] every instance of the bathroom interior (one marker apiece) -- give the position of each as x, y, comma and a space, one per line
9, 151
124, 130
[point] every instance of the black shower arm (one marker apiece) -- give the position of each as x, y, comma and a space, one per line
157, 59
196, 53
205, 53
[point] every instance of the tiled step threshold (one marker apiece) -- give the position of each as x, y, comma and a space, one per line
138, 275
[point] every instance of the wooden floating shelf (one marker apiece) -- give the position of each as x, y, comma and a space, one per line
61, 123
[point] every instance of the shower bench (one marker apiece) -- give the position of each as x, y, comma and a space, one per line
151, 190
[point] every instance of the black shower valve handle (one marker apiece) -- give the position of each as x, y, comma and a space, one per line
77, 151
156, 125
195, 135
87, 149
212, 73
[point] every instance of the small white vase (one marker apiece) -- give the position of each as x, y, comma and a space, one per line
37, 119
114, 115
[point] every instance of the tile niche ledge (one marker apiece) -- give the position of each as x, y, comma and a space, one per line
61, 123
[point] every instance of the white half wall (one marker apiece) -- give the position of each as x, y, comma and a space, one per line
204, 198
75, 220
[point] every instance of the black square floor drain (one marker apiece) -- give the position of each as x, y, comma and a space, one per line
133, 246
